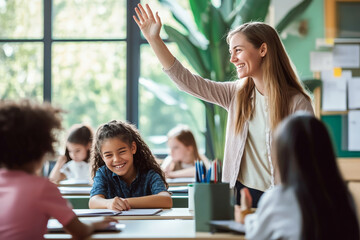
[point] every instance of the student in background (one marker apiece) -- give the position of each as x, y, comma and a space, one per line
183, 153
75, 163
312, 201
27, 201
126, 174
267, 91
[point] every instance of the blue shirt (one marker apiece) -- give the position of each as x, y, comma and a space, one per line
111, 185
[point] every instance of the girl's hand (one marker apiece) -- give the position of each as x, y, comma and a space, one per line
246, 199
118, 204
148, 24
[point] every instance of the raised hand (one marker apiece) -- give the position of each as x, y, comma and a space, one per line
149, 25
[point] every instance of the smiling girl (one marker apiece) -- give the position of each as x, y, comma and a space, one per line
126, 174
267, 91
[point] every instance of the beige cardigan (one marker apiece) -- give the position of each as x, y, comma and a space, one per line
224, 95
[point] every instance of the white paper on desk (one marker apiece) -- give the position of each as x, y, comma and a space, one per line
108, 212
180, 180
346, 55
320, 61
74, 182
354, 93
75, 190
354, 130
334, 95
178, 189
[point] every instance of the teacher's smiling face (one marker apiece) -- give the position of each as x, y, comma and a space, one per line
246, 58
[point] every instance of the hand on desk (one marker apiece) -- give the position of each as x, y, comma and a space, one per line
118, 204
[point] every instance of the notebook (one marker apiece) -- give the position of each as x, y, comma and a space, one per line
108, 212
54, 226
227, 225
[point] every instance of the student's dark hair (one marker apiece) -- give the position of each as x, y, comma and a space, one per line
307, 164
27, 132
144, 160
79, 134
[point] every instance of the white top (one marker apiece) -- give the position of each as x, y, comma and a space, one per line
278, 216
256, 166
76, 170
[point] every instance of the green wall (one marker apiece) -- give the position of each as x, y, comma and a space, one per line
299, 48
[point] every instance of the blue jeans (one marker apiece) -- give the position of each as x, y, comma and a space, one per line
255, 194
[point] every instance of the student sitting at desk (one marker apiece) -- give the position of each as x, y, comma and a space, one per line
312, 201
126, 174
183, 154
28, 201
75, 163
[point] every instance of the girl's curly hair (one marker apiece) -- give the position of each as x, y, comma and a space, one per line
144, 160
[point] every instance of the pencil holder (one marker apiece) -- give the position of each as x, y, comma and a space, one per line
212, 202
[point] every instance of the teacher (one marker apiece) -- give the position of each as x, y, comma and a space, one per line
268, 90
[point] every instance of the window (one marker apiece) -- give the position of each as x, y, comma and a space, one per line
86, 56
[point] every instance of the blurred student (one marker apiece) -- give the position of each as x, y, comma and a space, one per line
27, 201
75, 163
183, 153
312, 201
126, 174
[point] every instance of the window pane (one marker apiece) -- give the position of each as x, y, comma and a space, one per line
163, 106
89, 81
89, 19
21, 19
21, 70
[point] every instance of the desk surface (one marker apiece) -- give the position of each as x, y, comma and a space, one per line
180, 200
172, 213
155, 229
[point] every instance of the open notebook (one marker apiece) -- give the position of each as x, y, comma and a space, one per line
54, 226
108, 212
227, 225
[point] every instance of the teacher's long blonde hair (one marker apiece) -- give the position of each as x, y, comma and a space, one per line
281, 81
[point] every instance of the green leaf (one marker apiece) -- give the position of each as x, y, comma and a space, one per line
292, 14
250, 10
200, 9
226, 8
181, 16
190, 51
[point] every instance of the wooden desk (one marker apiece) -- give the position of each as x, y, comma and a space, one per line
155, 229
